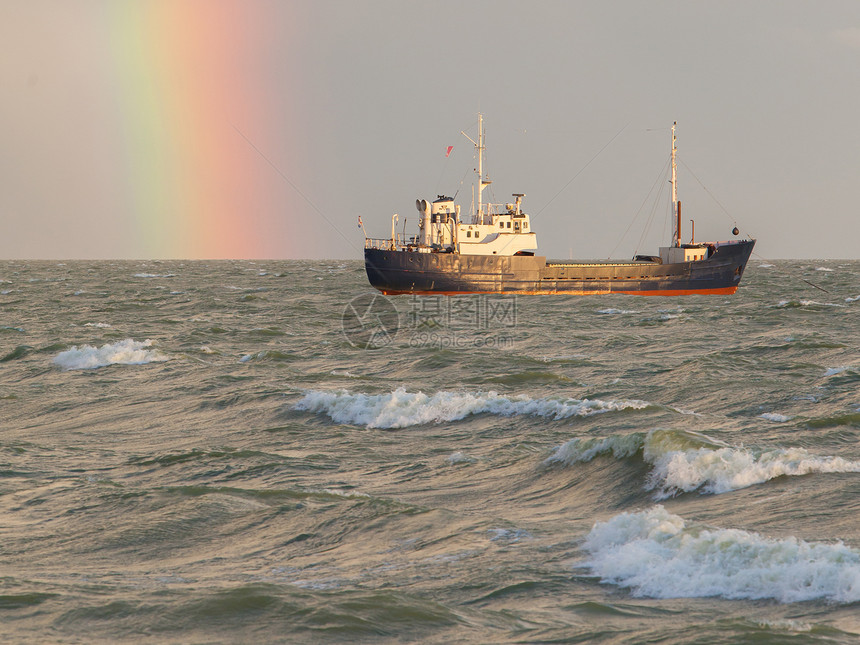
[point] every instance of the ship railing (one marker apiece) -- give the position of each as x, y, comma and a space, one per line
499, 209
385, 243
381, 243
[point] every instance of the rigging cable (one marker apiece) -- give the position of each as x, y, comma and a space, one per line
734, 221
636, 216
580, 171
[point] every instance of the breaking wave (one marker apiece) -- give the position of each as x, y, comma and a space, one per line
660, 555
684, 462
124, 352
401, 409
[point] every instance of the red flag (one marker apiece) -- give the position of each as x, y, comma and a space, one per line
448, 152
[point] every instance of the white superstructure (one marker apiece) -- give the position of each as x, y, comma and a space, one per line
495, 229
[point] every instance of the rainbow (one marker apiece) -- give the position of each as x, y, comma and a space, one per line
191, 86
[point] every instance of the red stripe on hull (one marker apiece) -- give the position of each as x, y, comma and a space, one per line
725, 291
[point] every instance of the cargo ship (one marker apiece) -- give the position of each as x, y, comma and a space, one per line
496, 252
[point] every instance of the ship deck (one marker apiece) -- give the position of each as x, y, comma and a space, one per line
598, 263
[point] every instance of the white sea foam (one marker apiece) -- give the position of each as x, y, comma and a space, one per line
854, 299
659, 555
460, 458
807, 303
824, 269
683, 462
774, 416
617, 311
833, 371
99, 325
154, 275
765, 266
124, 352
401, 409
509, 535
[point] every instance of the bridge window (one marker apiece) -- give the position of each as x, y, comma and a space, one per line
468, 233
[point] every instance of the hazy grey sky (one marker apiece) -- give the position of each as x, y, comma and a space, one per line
352, 104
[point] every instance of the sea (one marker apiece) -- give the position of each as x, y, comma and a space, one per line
273, 452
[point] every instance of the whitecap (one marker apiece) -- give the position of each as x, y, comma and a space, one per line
154, 275
854, 299
684, 462
99, 325
124, 352
824, 269
401, 409
508, 535
617, 311
460, 458
807, 303
660, 555
833, 371
773, 416
765, 266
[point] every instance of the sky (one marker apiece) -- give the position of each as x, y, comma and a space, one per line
262, 129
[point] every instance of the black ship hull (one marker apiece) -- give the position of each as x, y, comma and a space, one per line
404, 271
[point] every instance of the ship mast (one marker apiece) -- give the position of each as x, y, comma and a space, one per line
676, 205
480, 149
479, 146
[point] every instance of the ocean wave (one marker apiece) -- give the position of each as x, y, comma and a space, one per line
847, 419
154, 275
659, 555
460, 458
401, 409
617, 311
19, 352
683, 462
124, 352
796, 304
854, 299
267, 355
775, 417
833, 371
